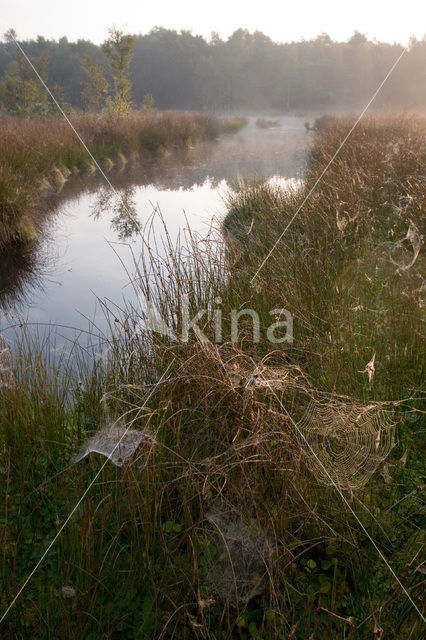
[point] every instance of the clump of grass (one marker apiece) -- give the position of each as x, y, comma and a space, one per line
264, 123
233, 125
323, 123
223, 529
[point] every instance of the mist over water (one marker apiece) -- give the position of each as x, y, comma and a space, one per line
82, 259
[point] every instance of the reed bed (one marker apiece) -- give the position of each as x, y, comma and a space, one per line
221, 525
40, 153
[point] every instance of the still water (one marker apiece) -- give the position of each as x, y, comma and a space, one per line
82, 257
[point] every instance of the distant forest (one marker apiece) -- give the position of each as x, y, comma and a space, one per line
246, 72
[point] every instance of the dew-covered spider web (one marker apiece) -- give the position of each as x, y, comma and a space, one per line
344, 441
347, 440
117, 442
239, 558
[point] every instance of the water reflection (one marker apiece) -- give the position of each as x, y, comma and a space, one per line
21, 269
125, 221
91, 227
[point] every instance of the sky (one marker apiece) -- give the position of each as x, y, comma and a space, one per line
283, 21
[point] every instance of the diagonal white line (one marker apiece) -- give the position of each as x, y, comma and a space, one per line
329, 163
340, 492
67, 118
74, 509
114, 190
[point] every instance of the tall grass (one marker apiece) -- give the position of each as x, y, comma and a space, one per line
38, 152
340, 267
222, 527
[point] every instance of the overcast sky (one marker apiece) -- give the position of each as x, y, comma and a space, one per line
281, 20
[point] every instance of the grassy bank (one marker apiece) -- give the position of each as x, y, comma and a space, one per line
38, 154
223, 524
343, 267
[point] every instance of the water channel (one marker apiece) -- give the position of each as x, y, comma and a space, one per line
81, 257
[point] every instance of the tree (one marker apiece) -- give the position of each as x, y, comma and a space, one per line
148, 103
119, 51
10, 36
95, 90
21, 91
183, 71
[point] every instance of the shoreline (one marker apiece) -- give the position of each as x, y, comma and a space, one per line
40, 154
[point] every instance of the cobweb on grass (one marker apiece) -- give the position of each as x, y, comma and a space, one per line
348, 439
238, 570
118, 443
344, 441
414, 237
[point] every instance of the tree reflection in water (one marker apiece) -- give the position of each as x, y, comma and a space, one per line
125, 221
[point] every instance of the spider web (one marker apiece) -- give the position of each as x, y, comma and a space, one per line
344, 440
118, 443
349, 439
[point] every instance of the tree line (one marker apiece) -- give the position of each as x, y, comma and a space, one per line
179, 70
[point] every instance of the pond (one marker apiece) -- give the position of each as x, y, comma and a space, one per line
82, 257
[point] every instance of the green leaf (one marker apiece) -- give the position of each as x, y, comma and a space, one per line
325, 587
172, 527
270, 615
256, 614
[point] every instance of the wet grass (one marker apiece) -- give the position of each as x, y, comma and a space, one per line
222, 526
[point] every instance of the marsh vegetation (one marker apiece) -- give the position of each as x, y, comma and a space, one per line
226, 521
38, 154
